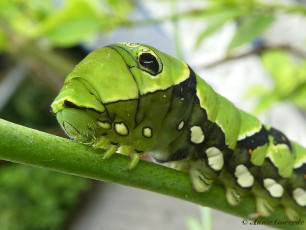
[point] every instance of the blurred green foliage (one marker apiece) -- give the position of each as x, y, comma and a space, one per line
30, 106
37, 199
289, 81
204, 224
43, 30
251, 17
62, 25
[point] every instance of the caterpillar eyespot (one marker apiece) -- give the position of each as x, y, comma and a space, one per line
149, 62
177, 117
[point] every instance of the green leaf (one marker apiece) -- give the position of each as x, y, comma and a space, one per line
47, 197
256, 91
299, 98
302, 72
73, 23
250, 28
282, 69
208, 31
217, 18
265, 102
8, 10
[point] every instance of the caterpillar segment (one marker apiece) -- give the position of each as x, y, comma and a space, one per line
131, 98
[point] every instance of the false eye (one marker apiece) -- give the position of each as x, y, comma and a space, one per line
149, 62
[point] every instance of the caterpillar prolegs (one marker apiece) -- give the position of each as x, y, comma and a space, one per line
132, 98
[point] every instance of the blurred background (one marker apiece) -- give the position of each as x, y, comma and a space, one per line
252, 52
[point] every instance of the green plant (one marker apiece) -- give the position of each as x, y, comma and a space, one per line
34, 33
48, 151
289, 81
204, 224
36, 199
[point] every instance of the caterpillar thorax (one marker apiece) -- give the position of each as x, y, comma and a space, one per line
132, 98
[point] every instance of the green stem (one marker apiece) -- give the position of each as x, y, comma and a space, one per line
27, 146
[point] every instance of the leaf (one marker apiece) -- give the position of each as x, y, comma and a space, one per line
208, 31
282, 69
8, 10
72, 24
217, 18
256, 91
299, 98
15, 18
302, 72
250, 28
265, 102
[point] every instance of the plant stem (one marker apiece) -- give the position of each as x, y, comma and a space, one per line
27, 146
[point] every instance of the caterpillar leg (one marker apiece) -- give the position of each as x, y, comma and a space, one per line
109, 152
291, 214
134, 160
180, 165
125, 151
232, 196
201, 182
263, 207
101, 143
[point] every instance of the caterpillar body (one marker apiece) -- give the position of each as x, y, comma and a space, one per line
132, 98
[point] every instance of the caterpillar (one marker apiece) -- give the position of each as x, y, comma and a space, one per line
134, 99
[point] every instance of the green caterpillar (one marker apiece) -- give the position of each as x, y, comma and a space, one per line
132, 98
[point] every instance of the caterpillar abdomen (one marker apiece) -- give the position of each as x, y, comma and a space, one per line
261, 161
151, 102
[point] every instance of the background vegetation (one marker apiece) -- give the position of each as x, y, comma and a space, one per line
41, 41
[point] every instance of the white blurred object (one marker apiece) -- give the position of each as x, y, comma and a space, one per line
10, 83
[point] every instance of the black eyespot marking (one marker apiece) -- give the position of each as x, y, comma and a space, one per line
149, 62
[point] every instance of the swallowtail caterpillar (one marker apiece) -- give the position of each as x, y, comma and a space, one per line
132, 98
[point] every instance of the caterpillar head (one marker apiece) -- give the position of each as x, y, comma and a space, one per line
101, 97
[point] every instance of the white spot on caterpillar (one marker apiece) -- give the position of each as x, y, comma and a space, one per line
299, 196
215, 158
181, 125
147, 132
104, 124
275, 189
244, 177
121, 129
197, 135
